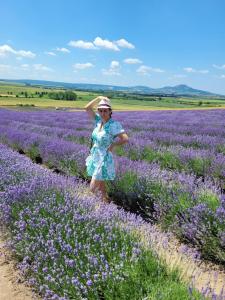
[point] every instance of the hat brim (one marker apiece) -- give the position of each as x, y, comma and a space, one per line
104, 106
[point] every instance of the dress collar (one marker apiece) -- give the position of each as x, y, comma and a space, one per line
106, 123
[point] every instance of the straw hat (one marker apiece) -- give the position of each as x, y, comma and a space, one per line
104, 103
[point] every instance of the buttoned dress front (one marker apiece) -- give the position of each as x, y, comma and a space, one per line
100, 163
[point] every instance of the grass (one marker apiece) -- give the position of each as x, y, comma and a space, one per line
134, 102
118, 104
169, 160
44, 103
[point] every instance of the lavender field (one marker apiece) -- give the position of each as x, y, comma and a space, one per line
171, 173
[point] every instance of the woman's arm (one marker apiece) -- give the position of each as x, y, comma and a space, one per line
123, 139
90, 106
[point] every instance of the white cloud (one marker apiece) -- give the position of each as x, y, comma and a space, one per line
24, 53
6, 49
6, 68
113, 70
222, 67
114, 64
40, 67
192, 70
99, 42
110, 72
222, 76
64, 50
132, 61
82, 44
50, 53
157, 70
124, 44
144, 70
189, 70
18, 70
84, 66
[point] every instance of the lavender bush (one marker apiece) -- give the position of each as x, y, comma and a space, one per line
69, 248
152, 189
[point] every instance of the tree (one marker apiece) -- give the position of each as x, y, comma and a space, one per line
68, 95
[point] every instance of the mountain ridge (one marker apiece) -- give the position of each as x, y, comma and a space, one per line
177, 90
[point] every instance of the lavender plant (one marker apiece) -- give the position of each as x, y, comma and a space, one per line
68, 249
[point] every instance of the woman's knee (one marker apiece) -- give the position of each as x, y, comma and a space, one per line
97, 186
102, 186
94, 185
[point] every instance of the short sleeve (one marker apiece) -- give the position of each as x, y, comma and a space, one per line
97, 119
117, 128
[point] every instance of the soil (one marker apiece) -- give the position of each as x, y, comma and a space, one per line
12, 285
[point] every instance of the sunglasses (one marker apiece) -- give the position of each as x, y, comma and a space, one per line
103, 110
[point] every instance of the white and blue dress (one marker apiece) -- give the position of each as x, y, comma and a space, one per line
100, 162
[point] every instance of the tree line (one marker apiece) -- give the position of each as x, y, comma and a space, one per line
67, 95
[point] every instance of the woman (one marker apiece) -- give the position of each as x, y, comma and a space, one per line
100, 163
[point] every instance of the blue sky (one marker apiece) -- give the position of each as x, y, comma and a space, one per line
148, 42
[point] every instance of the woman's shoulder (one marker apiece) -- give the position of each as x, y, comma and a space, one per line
114, 122
116, 127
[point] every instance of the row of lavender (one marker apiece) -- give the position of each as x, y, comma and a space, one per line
200, 151
71, 246
165, 127
195, 210
203, 162
210, 123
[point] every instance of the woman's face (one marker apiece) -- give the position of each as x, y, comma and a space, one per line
104, 113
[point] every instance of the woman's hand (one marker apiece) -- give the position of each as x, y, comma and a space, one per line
99, 98
102, 97
90, 106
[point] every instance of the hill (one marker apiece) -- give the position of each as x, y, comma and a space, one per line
178, 90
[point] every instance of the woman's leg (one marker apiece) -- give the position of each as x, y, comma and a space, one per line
94, 185
98, 186
105, 196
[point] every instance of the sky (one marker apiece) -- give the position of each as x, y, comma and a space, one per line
151, 43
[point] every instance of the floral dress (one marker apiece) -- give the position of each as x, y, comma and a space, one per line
100, 163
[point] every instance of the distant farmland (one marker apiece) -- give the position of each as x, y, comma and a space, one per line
33, 96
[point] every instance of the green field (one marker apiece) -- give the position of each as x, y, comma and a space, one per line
13, 96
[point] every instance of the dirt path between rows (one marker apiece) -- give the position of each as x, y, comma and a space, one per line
12, 285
